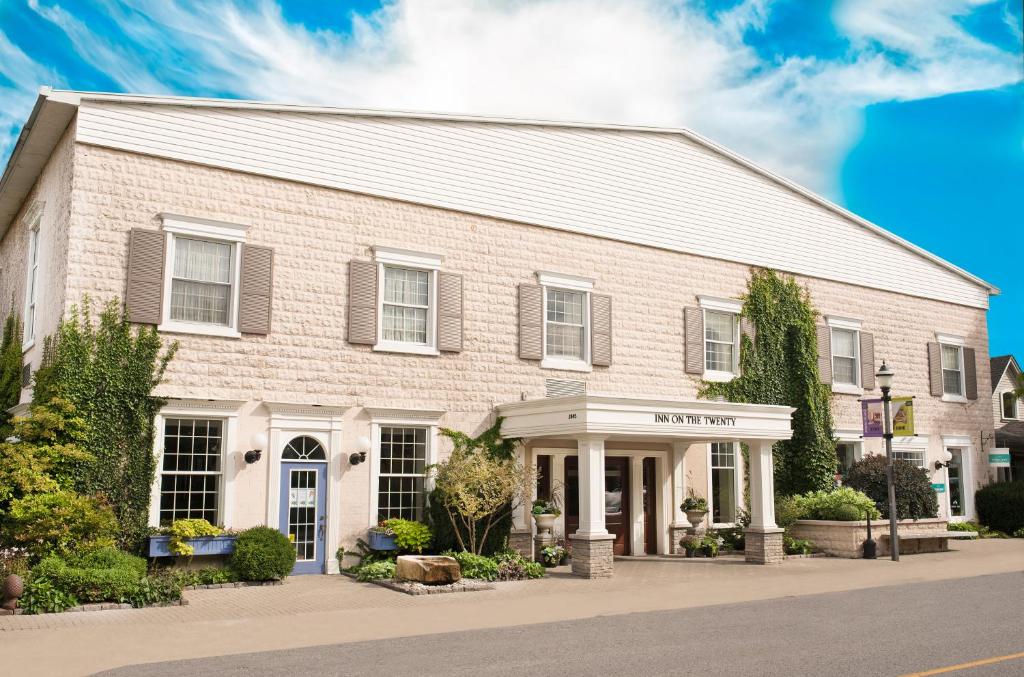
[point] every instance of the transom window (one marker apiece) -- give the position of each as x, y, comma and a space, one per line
566, 328
912, 456
952, 370
845, 358
1010, 405
304, 448
190, 470
719, 341
406, 305
403, 464
723, 482
201, 281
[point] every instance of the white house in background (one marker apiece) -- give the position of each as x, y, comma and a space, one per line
346, 281
1008, 414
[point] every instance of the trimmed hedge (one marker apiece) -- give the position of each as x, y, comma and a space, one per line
915, 498
263, 554
1001, 506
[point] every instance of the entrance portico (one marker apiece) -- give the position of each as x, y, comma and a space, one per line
674, 433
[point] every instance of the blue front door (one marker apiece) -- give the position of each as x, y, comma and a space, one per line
304, 514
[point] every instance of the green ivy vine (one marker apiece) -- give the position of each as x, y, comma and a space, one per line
10, 371
780, 366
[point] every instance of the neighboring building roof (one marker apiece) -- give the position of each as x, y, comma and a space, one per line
666, 188
1011, 435
999, 365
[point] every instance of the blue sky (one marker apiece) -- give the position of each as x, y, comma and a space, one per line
909, 113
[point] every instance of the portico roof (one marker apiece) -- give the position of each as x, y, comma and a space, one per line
630, 418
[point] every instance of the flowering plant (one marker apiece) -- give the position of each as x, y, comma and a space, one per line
383, 528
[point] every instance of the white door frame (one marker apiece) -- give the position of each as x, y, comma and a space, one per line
963, 444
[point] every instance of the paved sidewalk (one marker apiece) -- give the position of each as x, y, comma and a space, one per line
317, 610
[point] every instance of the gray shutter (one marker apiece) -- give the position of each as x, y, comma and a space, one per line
449, 312
935, 369
867, 360
362, 302
694, 336
531, 318
747, 328
255, 289
601, 330
144, 294
825, 353
970, 374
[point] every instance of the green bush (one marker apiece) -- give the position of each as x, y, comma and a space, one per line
512, 566
410, 536
1019, 533
60, 523
182, 530
42, 597
842, 504
111, 576
1001, 506
475, 566
915, 498
796, 546
787, 510
263, 554
204, 576
964, 526
375, 571
444, 536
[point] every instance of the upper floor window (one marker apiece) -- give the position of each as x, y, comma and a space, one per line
32, 283
1010, 405
567, 322
407, 301
845, 357
952, 370
721, 337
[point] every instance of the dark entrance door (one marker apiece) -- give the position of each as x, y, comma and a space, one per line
650, 506
616, 499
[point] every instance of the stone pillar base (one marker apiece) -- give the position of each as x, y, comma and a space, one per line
764, 545
676, 534
521, 542
592, 556
541, 541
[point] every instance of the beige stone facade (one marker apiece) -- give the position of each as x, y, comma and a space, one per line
94, 196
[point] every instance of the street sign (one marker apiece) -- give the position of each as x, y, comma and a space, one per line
902, 409
999, 457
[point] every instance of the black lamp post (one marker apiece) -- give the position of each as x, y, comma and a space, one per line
884, 377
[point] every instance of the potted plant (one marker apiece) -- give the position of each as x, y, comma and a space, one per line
545, 513
691, 545
695, 507
553, 555
709, 546
382, 537
191, 538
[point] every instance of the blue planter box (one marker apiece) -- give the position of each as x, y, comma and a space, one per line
159, 546
379, 541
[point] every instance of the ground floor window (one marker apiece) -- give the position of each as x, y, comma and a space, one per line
190, 469
847, 454
403, 463
912, 456
723, 482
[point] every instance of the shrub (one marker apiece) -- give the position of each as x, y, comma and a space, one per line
732, 538
512, 566
41, 597
105, 576
842, 504
1019, 533
1001, 506
965, 526
263, 554
61, 523
475, 566
10, 370
13, 561
204, 576
915, 498
410, 536
444, 533
375, 571
787, 510
184, 529
796, 546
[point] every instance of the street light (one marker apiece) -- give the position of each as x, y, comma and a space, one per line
884, 377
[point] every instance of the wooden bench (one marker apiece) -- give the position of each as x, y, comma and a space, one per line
926, 541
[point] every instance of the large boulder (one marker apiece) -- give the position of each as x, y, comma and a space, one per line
427, 569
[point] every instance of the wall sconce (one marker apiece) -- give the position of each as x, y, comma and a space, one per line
362, 448
946, 458
259, 443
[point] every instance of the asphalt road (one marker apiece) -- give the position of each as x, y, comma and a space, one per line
880, 631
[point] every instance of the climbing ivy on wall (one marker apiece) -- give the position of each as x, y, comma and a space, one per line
780, 366
108, 369
10, 371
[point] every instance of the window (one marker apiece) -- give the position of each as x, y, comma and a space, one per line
720, 341
912, 456
952, 370
406, 305
1009, 405
723, 482
201, 281
845, 358
565, 328
847, 454
32, 285
956, 483
403, 463
304, 448
190, 471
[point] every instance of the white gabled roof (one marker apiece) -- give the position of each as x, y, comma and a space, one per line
667, 188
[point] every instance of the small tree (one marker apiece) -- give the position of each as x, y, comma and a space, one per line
10, 371
481, 484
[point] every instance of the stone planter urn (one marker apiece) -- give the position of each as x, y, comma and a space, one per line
14, 587
545, 522
696, 520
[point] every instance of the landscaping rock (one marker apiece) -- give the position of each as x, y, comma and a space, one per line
427, 569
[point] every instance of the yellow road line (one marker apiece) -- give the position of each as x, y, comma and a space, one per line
966, 666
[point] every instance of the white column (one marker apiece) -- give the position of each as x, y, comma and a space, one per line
519, 522
762, 485
558, 480
663, 507
591, 464
678, 462
636, 499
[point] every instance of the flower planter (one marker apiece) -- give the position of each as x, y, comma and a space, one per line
380, 541
207, 546
545, 522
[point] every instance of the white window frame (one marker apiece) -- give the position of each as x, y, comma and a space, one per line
963, 444
852, 325
912, 445
726, 307
1015, 406
399, 418
953, 341
567, 283
193, 228
30, 317
737, 453
390, 257
851, 437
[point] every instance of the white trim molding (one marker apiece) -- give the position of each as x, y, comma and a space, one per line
389, 257
206, 228
949, 339
564, 281
843, 322
393, 256
722, 305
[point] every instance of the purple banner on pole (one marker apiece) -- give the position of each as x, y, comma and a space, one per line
871, 416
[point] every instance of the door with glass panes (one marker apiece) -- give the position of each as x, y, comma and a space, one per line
303, 516
956, 491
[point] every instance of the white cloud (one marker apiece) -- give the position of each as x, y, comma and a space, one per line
20, 78
657, 62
